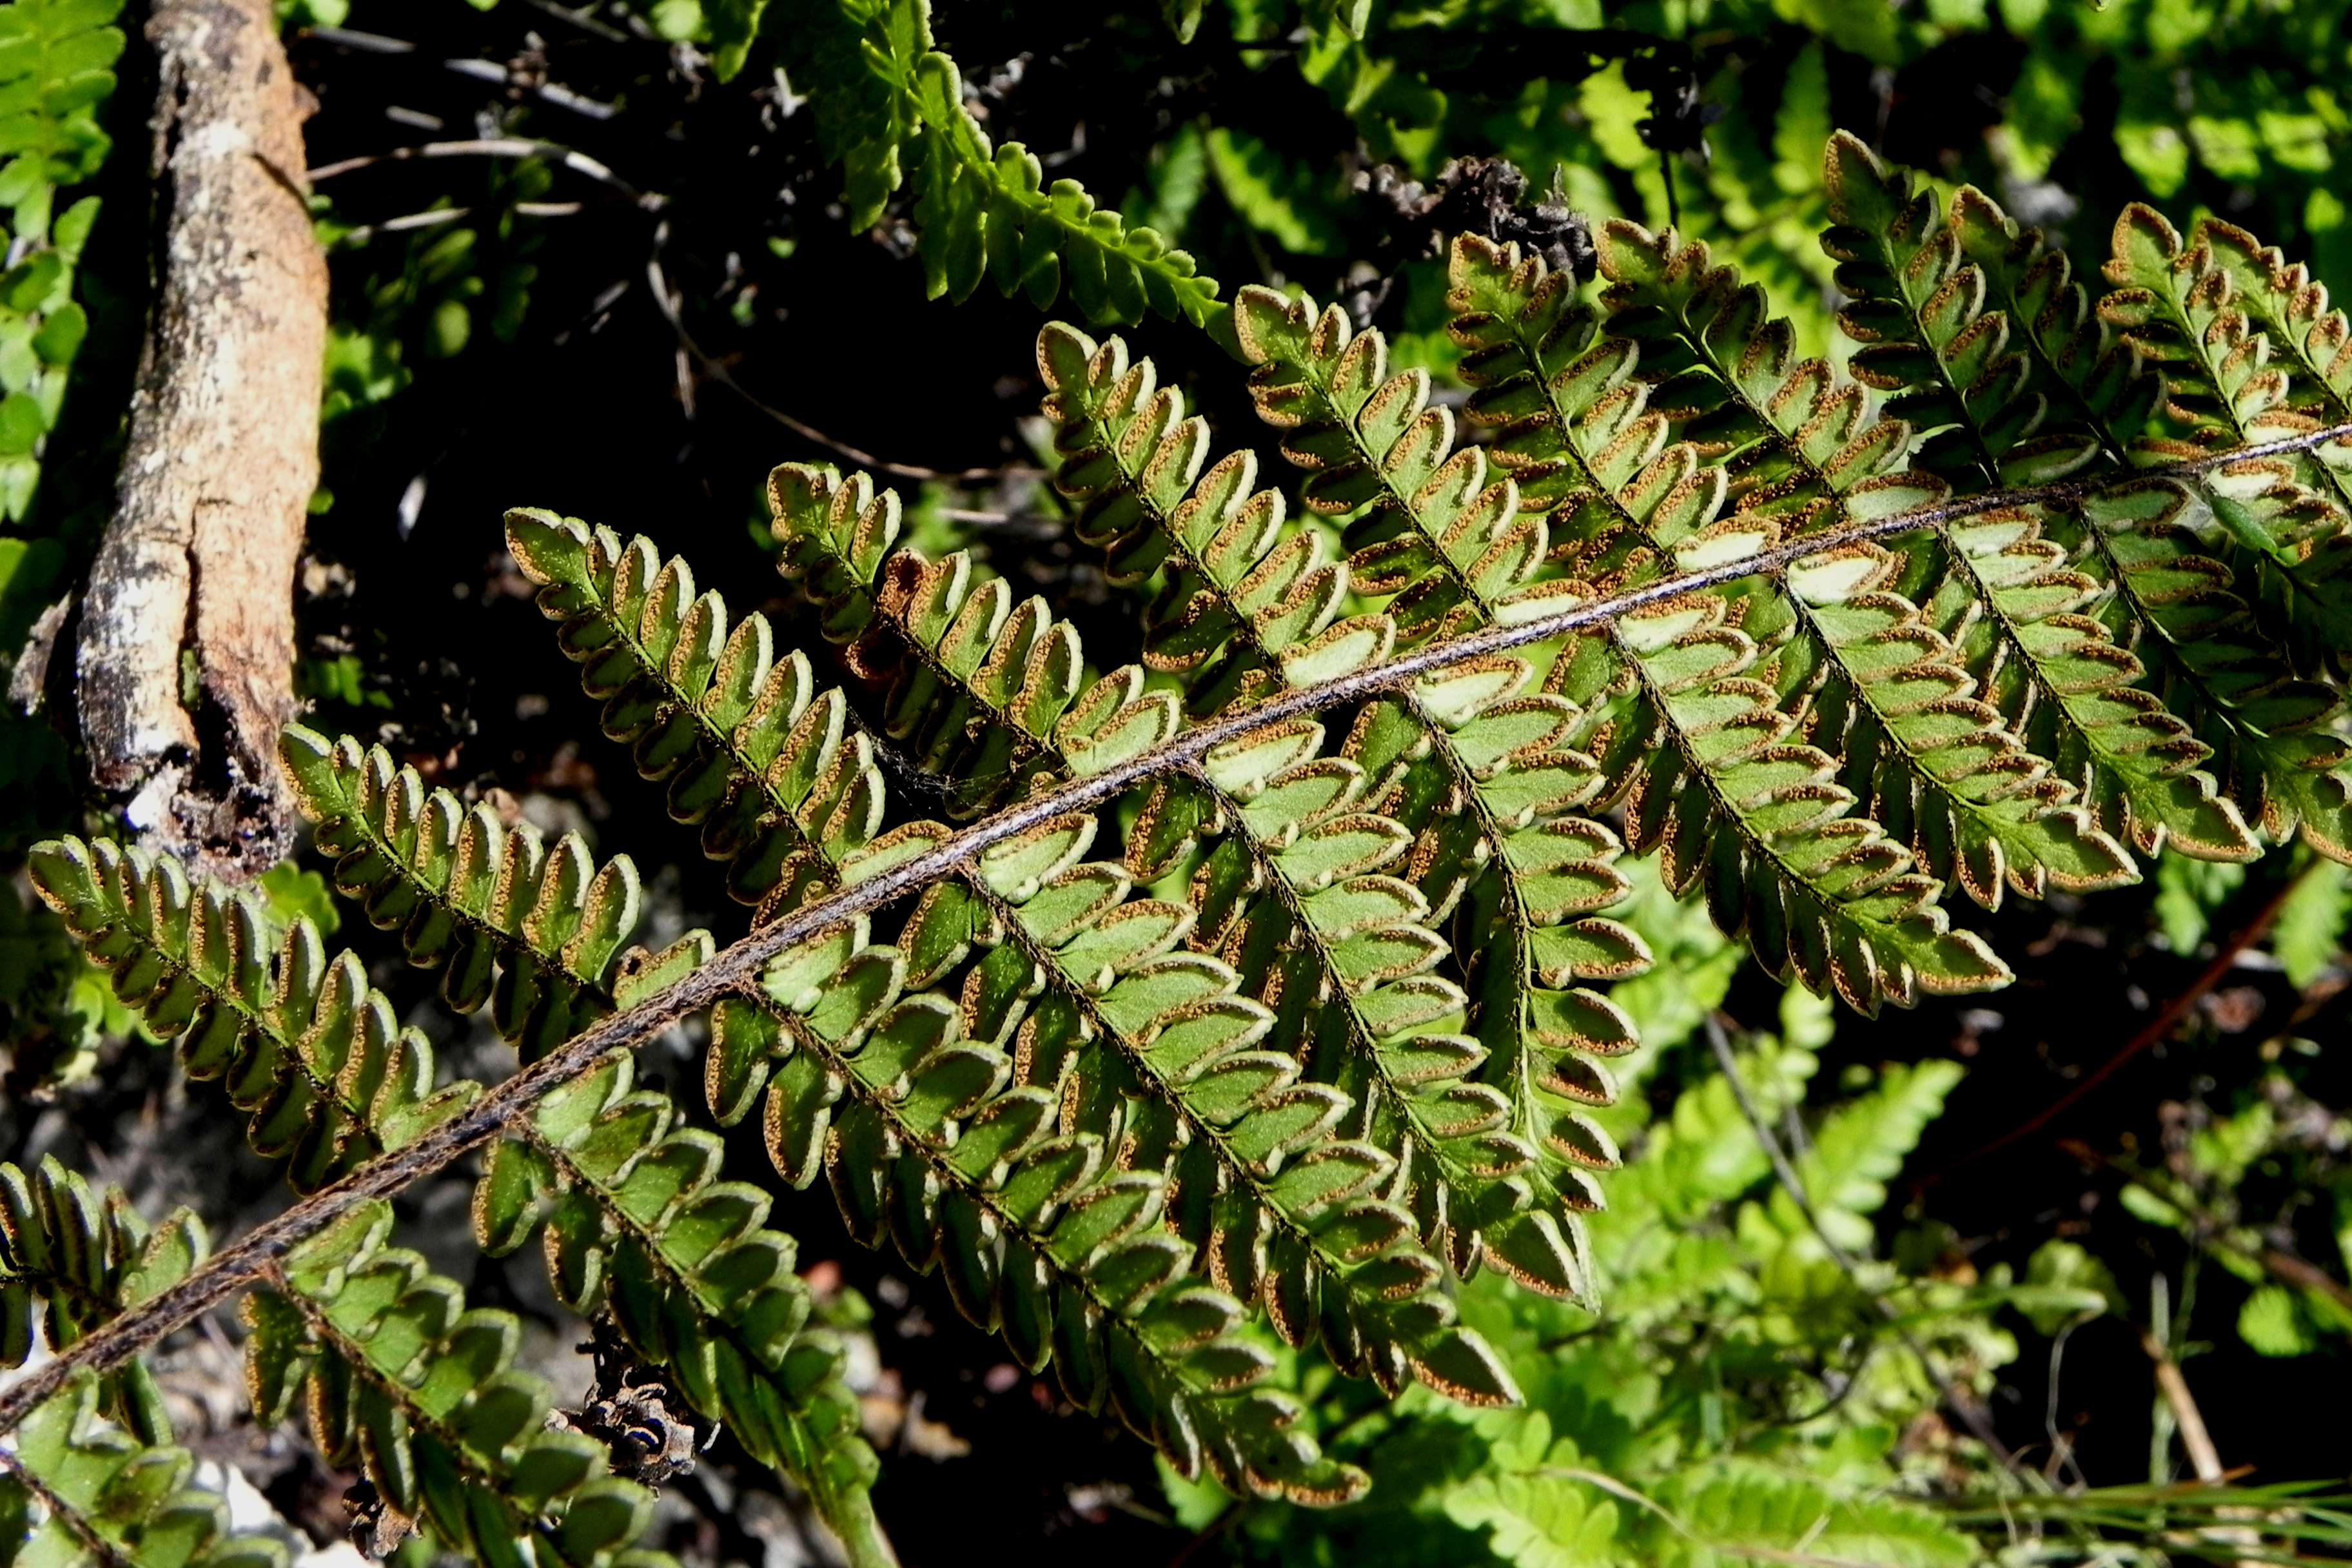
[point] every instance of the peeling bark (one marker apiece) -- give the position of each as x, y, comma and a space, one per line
186, 648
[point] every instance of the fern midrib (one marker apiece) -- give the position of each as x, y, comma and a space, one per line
1833, 655
353, 1354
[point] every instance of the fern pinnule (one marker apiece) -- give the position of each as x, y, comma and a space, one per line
531, 928
302, 1043
71, 1260
112, 1498
781, 782
641, 1231
400, 1379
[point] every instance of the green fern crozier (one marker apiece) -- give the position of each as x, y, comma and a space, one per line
1263, 994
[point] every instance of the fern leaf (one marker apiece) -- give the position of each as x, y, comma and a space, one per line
1300, 871
56, 77
72, 1260
1041, 1234
401, 1380
1742, 1510
111, 1497
2287, 519
301, 1042
985, 213
781, 782
535, 929
2005, 599
639, 1226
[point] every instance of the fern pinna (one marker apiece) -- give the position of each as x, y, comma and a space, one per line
1255, 993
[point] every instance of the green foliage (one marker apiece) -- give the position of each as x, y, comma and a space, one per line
399, 1378
56, 75
106, 1495
894, 112
1279, 1129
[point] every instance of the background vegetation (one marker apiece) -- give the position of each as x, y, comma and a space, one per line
701, 270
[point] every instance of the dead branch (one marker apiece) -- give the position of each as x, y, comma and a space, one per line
187, 646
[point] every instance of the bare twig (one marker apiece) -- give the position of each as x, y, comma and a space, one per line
498, 147
719, 372
732, 971
1960, 1400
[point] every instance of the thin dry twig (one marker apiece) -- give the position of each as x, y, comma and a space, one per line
498, 147
235, 1266
2156, 1029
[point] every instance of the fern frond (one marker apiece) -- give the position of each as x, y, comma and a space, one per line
72, 1260
1388, 1318
1301, 867
302, 1043
981, 691
1941, 770
401, 1380
534, 929
1043, 1234
2286, 519
639, 1226
112, 1499
983, 213
2174, 604
1239, 590
2003, 596
782, 782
